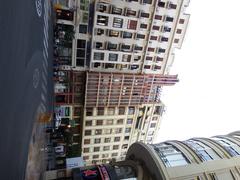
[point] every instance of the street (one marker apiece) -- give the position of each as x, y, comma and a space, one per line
26, 86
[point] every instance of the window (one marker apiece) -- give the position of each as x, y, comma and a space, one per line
113, 33
179, 31
158, 17
85, 158
97, 65
99, 122
131, 110
100, 111
143, 26
127, 130
88, 132
159, 59
111, 111
77, 111
117, 22
121, 110
150, 133
96, 156
83, 28
106, 148
116, 139
86, 141
98, 56
141, 36
99, 45
126, 137
85, 150
109, 65
169, 19
107, 131
164, 39
116, 10
204, 152
153, 125
153, 37
133, 67
154, 118
176, 40
109, 122
124, 146
149, 58
105, 155
161, 4
127, 35
120, 121
100, 7
98, 131
99, 31
181, 21
132, 24
107, 140
89, 111
126, 47
147, 1
96, 149
160, 50
131, 12
151, 49
144, 15
102, 20
156, 28
170, 155
138, 48
112, 46
147, 67
114, 154
88, 123
129, 121
113, 57
97, 141
115, 147
137, 58
118, 130
166, 29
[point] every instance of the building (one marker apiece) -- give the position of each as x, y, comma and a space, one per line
137, 36
120, 109
194, 159
69, 104
126, 49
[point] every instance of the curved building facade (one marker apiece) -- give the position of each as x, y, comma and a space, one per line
215, 158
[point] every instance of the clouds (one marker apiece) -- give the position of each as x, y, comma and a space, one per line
206, 100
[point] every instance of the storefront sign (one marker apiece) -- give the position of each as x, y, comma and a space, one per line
97, 173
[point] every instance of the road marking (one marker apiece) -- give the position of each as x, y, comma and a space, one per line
43, 98
45, 68
44, 88
38, 4
43, 107
36, 78
44, 78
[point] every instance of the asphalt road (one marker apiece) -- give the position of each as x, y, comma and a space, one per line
25, 79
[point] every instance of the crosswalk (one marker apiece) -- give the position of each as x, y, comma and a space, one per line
43, 9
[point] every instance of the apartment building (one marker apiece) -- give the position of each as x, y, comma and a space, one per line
126, 49
137, 36
109, 131
120, 109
